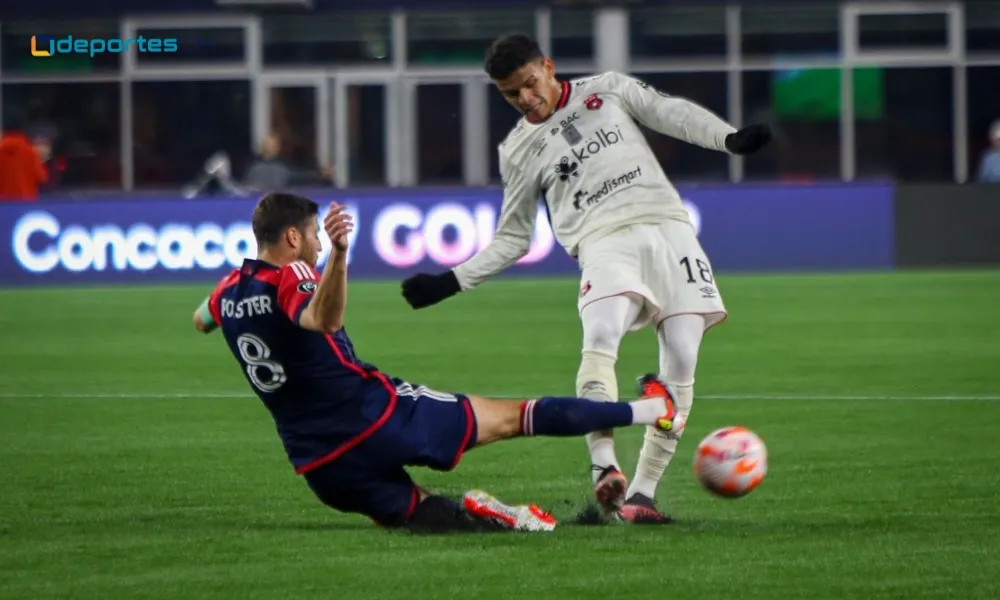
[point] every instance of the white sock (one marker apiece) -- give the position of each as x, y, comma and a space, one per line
597, 381
658, 447
647, 411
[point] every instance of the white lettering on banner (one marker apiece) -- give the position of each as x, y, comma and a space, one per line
36, 262
403, 236
175, 246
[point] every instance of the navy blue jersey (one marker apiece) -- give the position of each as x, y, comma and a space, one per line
323, 399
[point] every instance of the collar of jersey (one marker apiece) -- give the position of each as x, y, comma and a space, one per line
260, 263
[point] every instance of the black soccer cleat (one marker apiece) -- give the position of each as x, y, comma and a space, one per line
641, 510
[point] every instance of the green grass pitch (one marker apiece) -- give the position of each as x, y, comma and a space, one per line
135, 464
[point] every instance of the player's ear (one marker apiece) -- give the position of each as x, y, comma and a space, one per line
549, 67
294, 237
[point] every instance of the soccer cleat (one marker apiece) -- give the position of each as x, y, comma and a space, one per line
641, 510
651, 386
515, 518
610, 488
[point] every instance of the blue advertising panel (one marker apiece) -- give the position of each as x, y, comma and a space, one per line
168, 238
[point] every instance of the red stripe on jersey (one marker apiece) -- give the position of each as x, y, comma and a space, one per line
214, 307
367, 433
291, 293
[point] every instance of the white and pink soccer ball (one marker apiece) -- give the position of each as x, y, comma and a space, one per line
731, 461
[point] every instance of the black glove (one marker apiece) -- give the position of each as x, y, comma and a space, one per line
423, 290
749, 139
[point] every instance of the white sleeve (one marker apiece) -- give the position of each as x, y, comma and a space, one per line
671, 115
514, 230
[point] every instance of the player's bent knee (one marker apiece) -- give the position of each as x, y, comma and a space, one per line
495, 419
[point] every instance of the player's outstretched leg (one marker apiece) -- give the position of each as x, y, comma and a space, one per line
605, 323
679, 340
557, 416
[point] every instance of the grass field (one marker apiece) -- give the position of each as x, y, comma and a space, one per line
135, 464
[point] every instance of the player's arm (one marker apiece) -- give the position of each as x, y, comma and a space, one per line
208, 316
325, 310
685, 120
511, 241
515, 226
203, 320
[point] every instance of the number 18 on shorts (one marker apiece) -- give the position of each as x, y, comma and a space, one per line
663, 266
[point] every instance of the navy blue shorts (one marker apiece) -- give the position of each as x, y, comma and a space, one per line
426, 428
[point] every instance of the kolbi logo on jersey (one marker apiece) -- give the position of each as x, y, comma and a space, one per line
604, 138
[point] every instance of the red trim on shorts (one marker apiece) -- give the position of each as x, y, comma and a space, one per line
470, 426
725, 315
367, 433
648, 320
414, 501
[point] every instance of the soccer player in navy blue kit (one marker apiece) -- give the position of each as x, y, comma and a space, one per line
350, 429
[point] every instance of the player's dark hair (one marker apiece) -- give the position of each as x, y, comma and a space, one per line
509, 53
278, 211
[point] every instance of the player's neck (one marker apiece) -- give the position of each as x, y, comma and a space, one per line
278, 259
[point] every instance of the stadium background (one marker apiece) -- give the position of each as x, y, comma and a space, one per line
857, 255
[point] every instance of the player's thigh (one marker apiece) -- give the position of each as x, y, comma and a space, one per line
498, 420
428, 428
682, 277
353, 485
612, 267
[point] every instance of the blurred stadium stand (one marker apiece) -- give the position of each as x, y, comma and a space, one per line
373, 94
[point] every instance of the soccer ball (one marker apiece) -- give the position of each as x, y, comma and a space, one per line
731, 461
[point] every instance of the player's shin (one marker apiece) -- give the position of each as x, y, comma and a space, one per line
566, 417
596, 380
658, 447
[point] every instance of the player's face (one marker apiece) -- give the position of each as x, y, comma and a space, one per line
532, 89
308, 244
305, 242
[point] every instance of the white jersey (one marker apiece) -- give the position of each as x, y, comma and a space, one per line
591, 164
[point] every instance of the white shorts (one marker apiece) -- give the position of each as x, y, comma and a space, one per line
662, 266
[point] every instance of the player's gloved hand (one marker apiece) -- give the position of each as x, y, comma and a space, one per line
423, 290
749, 139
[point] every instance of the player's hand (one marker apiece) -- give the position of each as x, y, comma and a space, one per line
423, 290
338, 225
749, 139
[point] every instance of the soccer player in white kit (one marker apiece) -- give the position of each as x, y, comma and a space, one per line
612, 207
